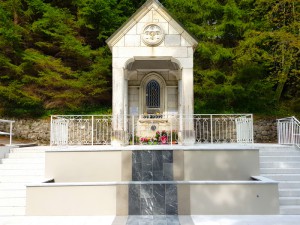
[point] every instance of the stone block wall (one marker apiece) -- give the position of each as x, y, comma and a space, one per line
34, 130
265, 130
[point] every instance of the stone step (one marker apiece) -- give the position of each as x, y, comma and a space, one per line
12, 194
21, 173
22, 179
12, 186
289, 184
12, 211
13, 202
28, 150
279, 153
290, 210
25, 160
35, 166
280, 170
289, 192
279, 158
280, 165
289, 201
283, 177
278, 148
26, 155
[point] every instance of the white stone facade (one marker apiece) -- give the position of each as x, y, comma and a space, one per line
152, 46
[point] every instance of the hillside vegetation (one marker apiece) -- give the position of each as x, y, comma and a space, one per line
54, 59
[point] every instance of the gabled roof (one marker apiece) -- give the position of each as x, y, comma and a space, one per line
140, 13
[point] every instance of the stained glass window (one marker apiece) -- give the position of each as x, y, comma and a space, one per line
153, 94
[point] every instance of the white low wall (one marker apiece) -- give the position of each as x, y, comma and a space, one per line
71, 200
83, 166
234, 199
115, 165
226, 164
194, 198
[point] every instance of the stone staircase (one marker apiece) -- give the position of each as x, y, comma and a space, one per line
282, 164
21, 167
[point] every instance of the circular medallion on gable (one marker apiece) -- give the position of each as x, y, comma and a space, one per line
153, 35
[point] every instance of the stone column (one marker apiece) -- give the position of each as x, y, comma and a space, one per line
126, 116
118, 107
188, 133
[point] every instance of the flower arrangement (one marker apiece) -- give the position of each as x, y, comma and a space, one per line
161, 137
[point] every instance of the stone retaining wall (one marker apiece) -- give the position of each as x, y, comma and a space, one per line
34, 130
265, 131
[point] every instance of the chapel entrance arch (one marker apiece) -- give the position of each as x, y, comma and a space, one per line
153, 85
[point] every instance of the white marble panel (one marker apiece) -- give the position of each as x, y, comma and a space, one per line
172, 30
173, 40
158, 17
184, 42
190, 52
147, 18
120, 43
115, 52
140, 27
187, 63
119, 62
132, 30
129, 52
132, 40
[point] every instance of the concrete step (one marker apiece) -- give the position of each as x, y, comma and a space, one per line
290, 210
21, 179
279, 153
279, 158
35, 166
289, 184
25, 161
289, 192
21, 173
289, 201
13, 202
283, 177
12, 194
280, 170
12, 186
12, 211
280, 165
29, 150
27, 155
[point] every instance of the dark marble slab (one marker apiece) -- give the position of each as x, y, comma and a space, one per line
152, 199
153, 220
134, 200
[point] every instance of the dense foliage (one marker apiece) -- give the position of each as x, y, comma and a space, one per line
54, 59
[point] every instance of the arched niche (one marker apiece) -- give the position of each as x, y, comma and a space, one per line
155, 81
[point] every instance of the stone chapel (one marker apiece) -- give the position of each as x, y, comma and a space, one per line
152, 60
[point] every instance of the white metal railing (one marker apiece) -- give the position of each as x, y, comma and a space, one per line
288, 131
151, 129
9, 130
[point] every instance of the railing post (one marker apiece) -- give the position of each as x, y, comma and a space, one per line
51, 131
211, 129
292, 132
10, 133
171, 132
252, 129
92, 130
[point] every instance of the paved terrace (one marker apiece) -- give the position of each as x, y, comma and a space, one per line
184, 220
